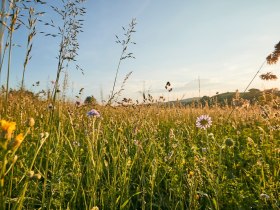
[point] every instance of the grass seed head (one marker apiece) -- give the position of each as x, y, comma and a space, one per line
31, 122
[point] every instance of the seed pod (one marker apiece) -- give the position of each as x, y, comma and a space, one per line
30, 174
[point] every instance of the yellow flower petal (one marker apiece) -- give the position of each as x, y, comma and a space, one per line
8, 126
16, 142
19, 137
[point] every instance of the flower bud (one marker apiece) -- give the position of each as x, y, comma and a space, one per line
15, 159
38, 176
30, 174
229, 142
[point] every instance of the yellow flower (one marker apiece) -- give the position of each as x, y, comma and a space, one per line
6, 131
19, 137
4, 124
16, 142
8, 128
191, 174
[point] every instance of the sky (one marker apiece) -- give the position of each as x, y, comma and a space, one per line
220, 43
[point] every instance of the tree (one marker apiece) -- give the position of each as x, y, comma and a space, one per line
90, 100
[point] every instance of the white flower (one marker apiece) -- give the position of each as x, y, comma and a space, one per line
203, 122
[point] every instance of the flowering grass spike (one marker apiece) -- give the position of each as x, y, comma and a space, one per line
203, 122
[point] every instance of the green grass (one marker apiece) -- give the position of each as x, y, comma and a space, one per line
142, 158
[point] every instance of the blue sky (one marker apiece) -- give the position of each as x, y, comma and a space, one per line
221, 42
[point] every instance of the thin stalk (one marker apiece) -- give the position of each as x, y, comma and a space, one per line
247, 87
23, 73
8, 72
2, 181
2, 27
116, 76
2, 60
124, 54
32, 33
22, 194
59, 66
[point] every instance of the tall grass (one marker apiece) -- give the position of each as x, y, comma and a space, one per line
143, 158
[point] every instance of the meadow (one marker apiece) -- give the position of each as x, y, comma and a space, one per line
139, 157
56, 153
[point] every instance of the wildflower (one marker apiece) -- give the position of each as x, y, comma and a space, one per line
93, 113
95, 208
8, 128
203, 122
6, 131
191, 174
16, 142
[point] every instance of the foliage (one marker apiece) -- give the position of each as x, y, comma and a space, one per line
274, 56
268, 76
90, 100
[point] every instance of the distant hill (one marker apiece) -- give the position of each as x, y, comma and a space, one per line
252, 95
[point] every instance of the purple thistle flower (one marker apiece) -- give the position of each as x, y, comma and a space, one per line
93, 113
203, 122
